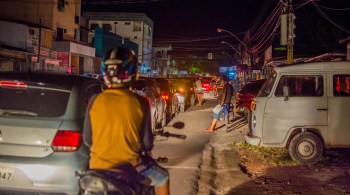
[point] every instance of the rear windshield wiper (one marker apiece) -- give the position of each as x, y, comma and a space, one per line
8, 112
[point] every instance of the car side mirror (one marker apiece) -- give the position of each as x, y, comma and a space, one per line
286, 93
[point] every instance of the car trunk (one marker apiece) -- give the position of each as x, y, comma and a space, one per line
26, 137
30, 115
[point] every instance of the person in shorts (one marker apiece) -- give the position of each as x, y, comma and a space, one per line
199, 91
225, 99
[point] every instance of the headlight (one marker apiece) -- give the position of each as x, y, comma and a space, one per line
95, 184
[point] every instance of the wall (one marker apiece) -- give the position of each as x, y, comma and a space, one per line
105, 40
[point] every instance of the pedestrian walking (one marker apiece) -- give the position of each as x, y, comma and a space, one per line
199, 91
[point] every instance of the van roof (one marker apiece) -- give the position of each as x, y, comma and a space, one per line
316, 66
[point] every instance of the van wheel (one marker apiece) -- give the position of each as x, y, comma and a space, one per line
306, 148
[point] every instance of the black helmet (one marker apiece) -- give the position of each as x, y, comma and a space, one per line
119, 66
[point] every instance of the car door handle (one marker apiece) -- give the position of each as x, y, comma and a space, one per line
322, 109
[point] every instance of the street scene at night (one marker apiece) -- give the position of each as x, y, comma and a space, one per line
188, 97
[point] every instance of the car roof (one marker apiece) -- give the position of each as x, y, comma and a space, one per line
52, 78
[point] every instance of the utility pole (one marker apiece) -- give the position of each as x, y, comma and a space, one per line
288, 30
39, 46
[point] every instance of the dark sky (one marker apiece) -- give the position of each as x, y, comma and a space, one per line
182, 22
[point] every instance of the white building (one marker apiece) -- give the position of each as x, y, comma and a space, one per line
161, 59
136, 27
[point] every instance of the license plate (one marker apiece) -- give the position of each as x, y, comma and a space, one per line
6, 174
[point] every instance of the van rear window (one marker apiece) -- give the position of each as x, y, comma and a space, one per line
33, 101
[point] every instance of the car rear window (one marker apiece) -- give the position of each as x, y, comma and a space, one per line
163, 85
33, 100
251, 88
140, 84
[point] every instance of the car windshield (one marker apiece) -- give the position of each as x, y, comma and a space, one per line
267, 87
33, 101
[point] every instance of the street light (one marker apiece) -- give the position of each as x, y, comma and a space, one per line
232, 61
224, 42
223, 30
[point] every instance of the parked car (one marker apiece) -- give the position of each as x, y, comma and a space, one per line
41, 124
246, 95
169, 95
208, 94
185, 87
148, 87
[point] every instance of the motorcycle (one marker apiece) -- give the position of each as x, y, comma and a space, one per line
122, 179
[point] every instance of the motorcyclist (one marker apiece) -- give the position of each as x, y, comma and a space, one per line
118, 122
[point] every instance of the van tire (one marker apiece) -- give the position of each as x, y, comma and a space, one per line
306, 148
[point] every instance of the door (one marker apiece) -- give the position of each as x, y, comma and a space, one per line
305, 106
339, 104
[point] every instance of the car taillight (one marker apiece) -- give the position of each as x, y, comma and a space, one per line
13, 84
181, 91
165, 96
66, 141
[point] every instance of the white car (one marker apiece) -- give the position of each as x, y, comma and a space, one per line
147, 87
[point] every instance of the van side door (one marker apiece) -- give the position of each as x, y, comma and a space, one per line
306, 105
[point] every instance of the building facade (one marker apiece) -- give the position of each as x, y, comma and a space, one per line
52, 32
136, 27
161, 60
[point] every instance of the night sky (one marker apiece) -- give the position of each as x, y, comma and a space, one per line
183, 23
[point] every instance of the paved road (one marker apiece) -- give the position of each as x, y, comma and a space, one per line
203, 163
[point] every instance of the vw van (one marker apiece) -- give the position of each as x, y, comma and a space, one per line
305, 108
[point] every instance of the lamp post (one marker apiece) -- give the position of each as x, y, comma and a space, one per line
238, 52
245, 45
232, 61
223, 30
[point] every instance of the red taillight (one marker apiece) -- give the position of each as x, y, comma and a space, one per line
165, 95
14, 84
66, 141
181, 91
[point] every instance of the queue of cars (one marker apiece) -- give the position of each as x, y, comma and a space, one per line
41, 126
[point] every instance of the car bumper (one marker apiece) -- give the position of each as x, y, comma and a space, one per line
255, 141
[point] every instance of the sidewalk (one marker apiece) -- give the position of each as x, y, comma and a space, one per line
220, 172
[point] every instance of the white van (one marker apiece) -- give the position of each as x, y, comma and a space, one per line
305, 108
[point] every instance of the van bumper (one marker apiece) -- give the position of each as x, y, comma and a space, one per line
255, 141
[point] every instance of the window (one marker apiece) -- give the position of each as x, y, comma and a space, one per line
93, 26
92, 90
107, 26
31, 31
135, 37
137, 26
65, 30
341, 85
127, 23
159, 54
300, 85
77, 19
60, 5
